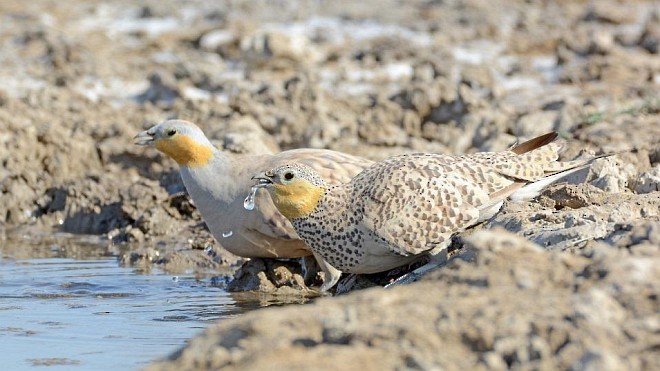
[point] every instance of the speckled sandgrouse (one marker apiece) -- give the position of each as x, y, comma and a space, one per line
408, 205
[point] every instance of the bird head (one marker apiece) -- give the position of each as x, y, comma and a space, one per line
181, 140
296, 189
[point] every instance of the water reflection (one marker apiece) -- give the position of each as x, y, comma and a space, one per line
67, 303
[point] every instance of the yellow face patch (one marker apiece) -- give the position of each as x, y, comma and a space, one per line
297, 199
185, 151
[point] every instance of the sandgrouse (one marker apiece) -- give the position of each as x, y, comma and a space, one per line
408, 205
218, 181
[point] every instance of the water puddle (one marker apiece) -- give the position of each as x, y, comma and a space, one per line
73, 306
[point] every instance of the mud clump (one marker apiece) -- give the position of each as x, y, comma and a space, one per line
270, 276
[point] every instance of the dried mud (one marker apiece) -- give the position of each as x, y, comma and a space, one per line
373, 78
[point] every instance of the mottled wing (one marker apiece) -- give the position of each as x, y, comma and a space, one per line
417, 202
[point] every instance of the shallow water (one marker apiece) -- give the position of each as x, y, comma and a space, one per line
72, 306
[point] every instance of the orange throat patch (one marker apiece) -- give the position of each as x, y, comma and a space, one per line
296, 200
185, 151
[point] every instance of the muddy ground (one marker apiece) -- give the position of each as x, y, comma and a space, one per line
374, 78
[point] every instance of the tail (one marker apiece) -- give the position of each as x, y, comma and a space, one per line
531, 190
534, 143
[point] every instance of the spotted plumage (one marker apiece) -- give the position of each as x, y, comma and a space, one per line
405, 206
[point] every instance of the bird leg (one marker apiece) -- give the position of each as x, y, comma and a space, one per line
310, 269
330, 274
347, 284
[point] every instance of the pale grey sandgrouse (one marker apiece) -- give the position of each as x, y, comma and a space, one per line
408, 205
218, 181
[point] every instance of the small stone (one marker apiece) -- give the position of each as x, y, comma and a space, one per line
649, 181
213, 40
612, 175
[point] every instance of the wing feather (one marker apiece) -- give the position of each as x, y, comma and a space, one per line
422, 202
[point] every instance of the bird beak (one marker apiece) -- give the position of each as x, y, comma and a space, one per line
145, 138
263, 179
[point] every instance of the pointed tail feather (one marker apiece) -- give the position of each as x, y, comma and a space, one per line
531, 190
534, 143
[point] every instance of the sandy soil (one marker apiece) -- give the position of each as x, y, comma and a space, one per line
80, 78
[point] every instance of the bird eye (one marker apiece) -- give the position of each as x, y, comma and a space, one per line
288, 175
170, 132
